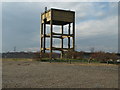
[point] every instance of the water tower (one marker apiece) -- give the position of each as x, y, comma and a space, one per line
60, 18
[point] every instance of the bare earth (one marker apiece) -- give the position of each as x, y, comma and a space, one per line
34, 74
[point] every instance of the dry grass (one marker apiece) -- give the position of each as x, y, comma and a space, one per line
16, 59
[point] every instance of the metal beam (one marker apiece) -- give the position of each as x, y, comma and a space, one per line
74, 34
51, 41
62, 49
69, 37
41, 44
62, 34
48, 35
41, 31
62, 27
44, 34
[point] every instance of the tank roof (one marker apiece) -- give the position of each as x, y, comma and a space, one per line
59, 10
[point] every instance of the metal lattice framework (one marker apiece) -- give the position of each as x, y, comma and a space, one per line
60, 18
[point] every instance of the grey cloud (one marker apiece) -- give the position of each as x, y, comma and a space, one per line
21, 23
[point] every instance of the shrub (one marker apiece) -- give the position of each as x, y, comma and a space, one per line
37, 56
104, 57
74, 54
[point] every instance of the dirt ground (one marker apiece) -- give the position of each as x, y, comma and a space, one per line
35, 74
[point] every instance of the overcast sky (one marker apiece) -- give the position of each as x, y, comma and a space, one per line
96, 25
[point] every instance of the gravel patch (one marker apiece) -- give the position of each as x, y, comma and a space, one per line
34, 74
